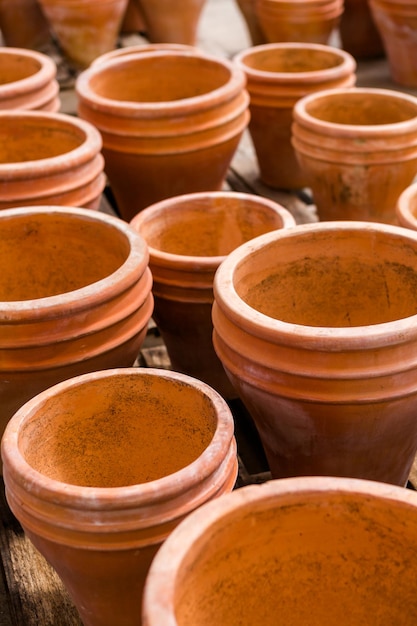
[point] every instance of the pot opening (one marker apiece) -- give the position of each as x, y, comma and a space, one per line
14, 67
292, 60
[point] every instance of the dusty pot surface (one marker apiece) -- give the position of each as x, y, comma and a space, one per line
316, 326
172, 22
358, 149
170, 122
406, 209
188, 237
102, 467
279, 74
297, 551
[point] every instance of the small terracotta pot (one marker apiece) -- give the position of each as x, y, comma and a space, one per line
49, 158
101, 468
172, 22
138, 48
279, 74
188, 237
358, 32
248, 11
28, 80
316, 326
358, 149
23, 24
296, 551
170, 121
75, 297
406, 209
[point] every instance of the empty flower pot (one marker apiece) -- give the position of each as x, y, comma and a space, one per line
297, 551
316, 326
172, 22
170, 121
102, 467
188, 237
279, 74
358, 149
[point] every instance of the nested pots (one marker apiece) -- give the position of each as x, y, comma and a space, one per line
188, 237
100, 469
170, 121
358, 150
172, 22
316, 326
75, 292
279, 74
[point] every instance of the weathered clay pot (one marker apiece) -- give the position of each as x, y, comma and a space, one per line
76, 296
85, 29
248, 10
139, 48
406, 208
28, 80
358, 149
358, 32
316, 326
49, 158
172, 22
170, 121
298, 551
188, 237
101, 468
279, 74
23, 24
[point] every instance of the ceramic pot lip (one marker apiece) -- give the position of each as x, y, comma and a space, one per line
79, 299
405, 215
116, 498
305, 119
140, 48
46, 72
311, 337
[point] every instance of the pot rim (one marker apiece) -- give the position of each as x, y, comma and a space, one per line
46, 72
140, 48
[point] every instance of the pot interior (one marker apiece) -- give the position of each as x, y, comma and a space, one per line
292, 60
14, 67
120, 430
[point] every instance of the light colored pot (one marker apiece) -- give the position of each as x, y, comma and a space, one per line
172, 22
316, 327
298, 551
102, 467
23, 24
358, 149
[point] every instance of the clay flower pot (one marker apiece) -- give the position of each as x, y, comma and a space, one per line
358, 149
406, 209
309, 21
28, 80
188, 237
170, 121
76, 296
316, 327
358, 32
171, 22
23, 24
279, 74
49, 158
138, 48
101, 468
248, 11
296, 551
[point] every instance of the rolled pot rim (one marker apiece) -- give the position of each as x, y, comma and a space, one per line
309, 337
47, 71
140, 49
115, 498
78, 299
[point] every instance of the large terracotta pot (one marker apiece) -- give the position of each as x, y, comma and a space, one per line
298, 551
23, 24
28, 80
316, 326
172, 22
248, 11
188, 237
170, 121
279, 74
76, 296
49, 158
101, 468
406, 208
358, 149
358, 32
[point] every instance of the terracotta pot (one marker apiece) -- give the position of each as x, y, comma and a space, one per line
85, 29
75, 297
278, 75
316, 327
28, 80
358, 149
358, 32
170, 121
188, 237
248, 11
133, 21
139, 48
310, 21
396, 21
297, 551
101, 468
23, 24
49, 158
406, 208
172, 22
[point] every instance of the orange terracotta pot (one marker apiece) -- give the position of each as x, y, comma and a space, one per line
298, 551
279, 74
49, 158
85, 29
316, 326
28, 80
358, 149
101, 468
248, 11
188, 237
358, 32
75, 297
172, 22
138, 48
170, 121
23, 24
406, 209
